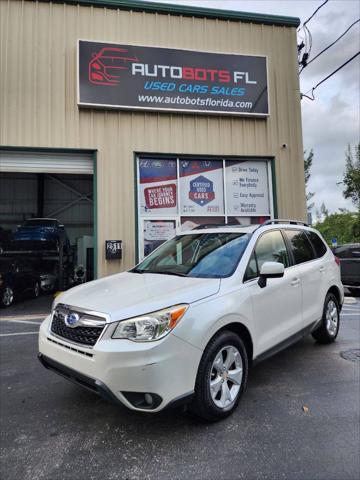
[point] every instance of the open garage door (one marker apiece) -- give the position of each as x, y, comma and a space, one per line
46, 220
46, 162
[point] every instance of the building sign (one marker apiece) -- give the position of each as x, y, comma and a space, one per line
247, 188
201, 190
158, 187
149, 78
163, 196
201, 187
113, 249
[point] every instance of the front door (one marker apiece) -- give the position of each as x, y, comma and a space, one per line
277, 306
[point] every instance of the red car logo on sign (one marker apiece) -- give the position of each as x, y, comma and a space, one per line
106, 66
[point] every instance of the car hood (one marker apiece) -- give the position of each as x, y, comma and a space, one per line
127, 294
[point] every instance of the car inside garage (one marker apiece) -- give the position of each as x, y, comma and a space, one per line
46, 222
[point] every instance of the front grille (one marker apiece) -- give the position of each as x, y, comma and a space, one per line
86, 354
83, 335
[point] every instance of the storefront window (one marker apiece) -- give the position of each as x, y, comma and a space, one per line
188, 223
178, 194
157, 232
247, 188
158, 187
201, 187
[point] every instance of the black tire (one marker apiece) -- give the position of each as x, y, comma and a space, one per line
328, 330
7, 297
203, 404
355, 292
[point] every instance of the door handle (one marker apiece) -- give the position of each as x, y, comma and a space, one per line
322, 269
295, 282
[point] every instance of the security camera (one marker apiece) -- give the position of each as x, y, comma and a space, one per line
284, 145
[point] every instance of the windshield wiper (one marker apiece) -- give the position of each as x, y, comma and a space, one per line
137, 270
160, 272
165, 272
179, 274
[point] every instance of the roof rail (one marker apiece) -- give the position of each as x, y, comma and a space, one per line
209, 225
278, 220
203, 226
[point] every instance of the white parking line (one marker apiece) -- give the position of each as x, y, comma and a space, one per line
39, 316
27, 322
19, 333
350, 300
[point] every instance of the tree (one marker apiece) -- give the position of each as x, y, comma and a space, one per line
342, 226
352, 176
323, 210
307, 166
322, 213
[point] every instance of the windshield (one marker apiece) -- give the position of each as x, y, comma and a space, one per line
206, 255
39, 222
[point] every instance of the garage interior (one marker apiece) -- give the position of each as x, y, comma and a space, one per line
48, 187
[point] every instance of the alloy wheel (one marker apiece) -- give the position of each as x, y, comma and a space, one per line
332, 318
225, 377
8, 296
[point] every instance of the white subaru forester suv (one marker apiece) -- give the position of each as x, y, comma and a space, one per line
187, 322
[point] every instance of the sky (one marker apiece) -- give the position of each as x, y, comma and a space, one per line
332, 121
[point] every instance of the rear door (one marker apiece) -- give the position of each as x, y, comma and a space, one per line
276, 307
312, 271
354, 265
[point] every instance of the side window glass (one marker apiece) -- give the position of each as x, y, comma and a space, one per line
251, 270
300, 245
341, 252
355, 252
271, 248
317, 243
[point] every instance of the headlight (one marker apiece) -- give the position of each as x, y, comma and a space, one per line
152, 326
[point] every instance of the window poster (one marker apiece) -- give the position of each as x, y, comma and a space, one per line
158, 187
247, 188
201, 187
157, 232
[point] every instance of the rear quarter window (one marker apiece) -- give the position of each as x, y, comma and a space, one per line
300, 246
319, 246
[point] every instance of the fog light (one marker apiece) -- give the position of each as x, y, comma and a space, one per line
148, 398
147, 401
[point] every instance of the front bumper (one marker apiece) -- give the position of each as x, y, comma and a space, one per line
118, 370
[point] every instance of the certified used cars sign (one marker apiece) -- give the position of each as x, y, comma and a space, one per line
150, 78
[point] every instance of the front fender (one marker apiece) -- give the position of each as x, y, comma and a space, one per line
205, 318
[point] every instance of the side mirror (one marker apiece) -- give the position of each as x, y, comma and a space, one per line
270, 270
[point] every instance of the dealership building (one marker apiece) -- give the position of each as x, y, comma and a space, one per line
131, 121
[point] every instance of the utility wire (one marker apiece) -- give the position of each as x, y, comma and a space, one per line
313, 15
331, 44
307, 37
326, 78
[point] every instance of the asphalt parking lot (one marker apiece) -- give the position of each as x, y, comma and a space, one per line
299, 419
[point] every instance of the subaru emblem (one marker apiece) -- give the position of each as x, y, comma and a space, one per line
71, 319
